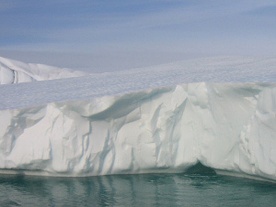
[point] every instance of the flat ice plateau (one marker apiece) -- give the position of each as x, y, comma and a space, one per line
220, 112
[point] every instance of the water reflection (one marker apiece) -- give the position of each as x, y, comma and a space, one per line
136, 190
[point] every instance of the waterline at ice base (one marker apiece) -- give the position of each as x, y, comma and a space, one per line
219, 112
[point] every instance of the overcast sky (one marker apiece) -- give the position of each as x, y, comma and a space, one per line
111, 35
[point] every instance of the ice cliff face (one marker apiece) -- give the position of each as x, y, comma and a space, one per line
228, 127
12, 71
139, 126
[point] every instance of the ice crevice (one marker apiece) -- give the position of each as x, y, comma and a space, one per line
227, 127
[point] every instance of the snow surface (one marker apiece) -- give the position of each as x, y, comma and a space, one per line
157, 119
12, 71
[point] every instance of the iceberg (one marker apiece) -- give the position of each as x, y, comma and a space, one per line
12, 71
162, 119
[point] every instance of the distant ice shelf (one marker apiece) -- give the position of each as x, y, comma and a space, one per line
12, 71
158, 119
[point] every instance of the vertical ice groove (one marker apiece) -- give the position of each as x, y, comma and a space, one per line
112, 153
104, 162
178, 113
155, 131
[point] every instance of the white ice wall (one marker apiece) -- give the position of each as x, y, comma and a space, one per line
230, 127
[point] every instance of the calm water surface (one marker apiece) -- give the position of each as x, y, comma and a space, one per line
136, 190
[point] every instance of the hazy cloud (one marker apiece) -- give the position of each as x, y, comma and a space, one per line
162, 28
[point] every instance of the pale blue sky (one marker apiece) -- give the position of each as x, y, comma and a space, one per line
107, 35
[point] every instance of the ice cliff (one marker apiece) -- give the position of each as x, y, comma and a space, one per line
12, 71
144, 121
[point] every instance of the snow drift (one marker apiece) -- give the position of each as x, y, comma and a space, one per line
140, 124
12, 71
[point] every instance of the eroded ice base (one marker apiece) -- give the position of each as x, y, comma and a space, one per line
228, 127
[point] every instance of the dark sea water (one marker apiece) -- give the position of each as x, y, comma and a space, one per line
136, 190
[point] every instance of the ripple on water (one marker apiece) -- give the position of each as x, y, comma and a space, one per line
136, 190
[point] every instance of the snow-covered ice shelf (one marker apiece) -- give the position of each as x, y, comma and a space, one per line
158, 119
12, 71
